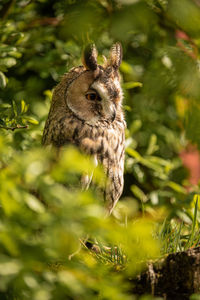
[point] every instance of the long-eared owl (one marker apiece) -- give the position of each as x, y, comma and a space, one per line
86, 110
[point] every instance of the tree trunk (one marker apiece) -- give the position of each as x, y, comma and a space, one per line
175, 277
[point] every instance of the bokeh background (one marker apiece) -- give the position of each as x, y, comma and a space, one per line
43, 214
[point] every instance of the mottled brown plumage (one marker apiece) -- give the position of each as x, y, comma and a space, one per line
86, 111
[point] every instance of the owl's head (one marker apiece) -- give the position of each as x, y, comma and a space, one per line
95, 94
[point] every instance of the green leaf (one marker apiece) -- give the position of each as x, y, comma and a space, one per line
2, 80
14, 108
24, 107
7, 49
9, 266
34, 204
176, 187
15, 54
8, 62
139, 193
134, 153
135, 126
9, 243
31, 120
152, 147
127, 108
4, 106
126, 68
131, 85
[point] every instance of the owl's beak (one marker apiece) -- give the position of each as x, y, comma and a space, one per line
113, 115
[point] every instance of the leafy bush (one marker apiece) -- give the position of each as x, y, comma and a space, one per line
45, 217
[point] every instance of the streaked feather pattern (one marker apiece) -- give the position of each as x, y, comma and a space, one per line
95, 126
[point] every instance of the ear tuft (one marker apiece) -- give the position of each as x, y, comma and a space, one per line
90, 57
116, 55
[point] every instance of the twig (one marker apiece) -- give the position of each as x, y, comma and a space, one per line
15, 127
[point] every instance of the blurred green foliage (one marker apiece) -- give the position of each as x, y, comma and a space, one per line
41, 220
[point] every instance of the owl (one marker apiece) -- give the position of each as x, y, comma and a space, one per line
86, 111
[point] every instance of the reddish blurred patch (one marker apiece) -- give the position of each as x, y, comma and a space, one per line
46, 21
182, 37
191, 160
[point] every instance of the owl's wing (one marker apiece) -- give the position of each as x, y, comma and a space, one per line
113, 162
114, 186
59, 117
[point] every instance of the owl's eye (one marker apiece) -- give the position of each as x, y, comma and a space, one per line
93, 96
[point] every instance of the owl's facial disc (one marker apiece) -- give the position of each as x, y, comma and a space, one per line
94, 99
83, 101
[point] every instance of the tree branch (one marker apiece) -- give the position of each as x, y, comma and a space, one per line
14, 127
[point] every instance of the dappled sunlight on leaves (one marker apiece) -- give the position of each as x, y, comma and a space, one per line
46, 218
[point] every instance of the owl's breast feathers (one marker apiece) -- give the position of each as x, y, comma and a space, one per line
104, 141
